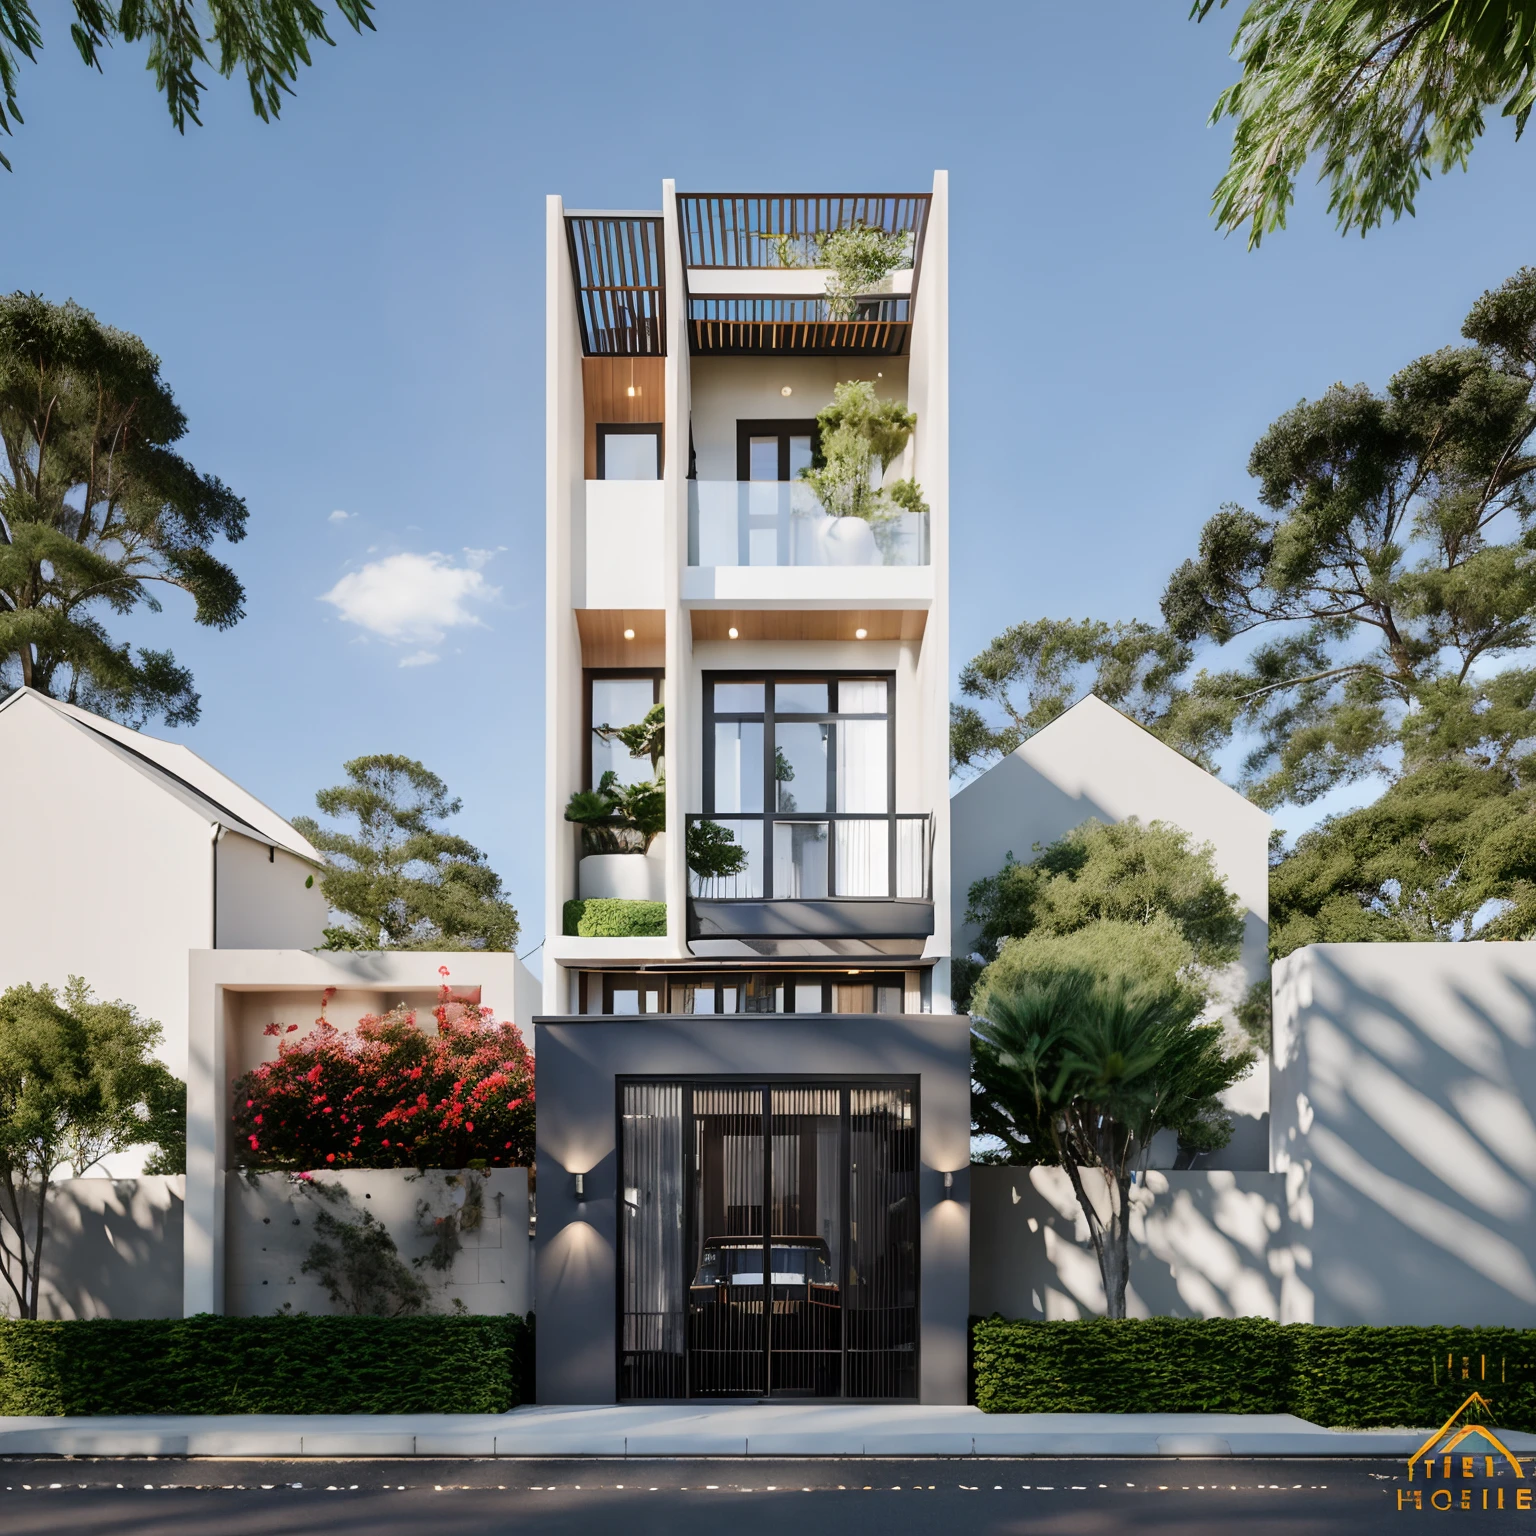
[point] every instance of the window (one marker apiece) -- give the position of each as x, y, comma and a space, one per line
618, 699
743, 991
774, 450
801, 771
629, 451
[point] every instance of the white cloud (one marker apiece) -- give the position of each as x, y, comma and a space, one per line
412, 599
420, 659
339, 516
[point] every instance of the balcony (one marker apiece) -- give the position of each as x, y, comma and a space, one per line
828, 877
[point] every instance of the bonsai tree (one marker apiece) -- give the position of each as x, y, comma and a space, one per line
1077, 1069
645, 738
857, 432
78, 1082
619, 818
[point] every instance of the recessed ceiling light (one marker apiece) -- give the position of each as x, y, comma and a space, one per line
732, 633
629, 634
786, 391
861, 634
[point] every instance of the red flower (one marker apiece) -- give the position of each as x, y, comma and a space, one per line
330, 1157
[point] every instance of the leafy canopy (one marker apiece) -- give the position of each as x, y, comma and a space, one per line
1392, 560
859, 436
1128, 896
1075, 1068
267, 39
98, 512
78, 1082
1385, 91
398, 878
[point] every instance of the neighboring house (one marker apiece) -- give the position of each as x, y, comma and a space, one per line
123, 853
800, 1006
1093, 761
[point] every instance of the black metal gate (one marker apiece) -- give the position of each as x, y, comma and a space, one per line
768, 1241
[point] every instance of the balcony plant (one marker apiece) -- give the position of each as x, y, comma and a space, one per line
619, 818
713, 852
860, 257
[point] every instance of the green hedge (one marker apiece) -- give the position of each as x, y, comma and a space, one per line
610, 917
1346, 1378
266, 1365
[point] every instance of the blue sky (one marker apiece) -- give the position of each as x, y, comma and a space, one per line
348, 304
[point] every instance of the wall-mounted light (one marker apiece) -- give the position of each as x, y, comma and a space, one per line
786, 391
632, 391
629, 634
732, 632
581, 1186
632, 1197
861, 634
949, 1186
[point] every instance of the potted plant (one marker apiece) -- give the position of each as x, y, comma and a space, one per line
620, 822
861, 258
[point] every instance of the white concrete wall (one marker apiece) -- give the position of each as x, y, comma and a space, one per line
106, 875
1405, 1126
624, 544
272, 1217
1206, 1244
263, 902
236, 993
111, 1248
1095, 762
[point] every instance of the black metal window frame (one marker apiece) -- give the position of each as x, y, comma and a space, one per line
770, 718
590, 675
844, 1084
606, 429
783, 429
600, 986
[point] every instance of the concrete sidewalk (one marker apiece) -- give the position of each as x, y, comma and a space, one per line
737, 1429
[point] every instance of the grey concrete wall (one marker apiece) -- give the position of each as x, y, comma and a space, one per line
270, 1228
111, 1248
1204, 1244
1405, 1082
578, 1064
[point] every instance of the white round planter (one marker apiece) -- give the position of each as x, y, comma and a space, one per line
627, 876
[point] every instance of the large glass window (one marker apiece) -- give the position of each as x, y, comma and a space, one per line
631, 451
774, 450
801, 774
615, 700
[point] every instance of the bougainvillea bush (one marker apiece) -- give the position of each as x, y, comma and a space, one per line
391, 1095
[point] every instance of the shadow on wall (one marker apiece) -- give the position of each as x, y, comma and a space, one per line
1404, 1080
1204, 1244
112, 1249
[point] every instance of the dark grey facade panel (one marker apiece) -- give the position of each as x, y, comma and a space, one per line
580, 1062
848, 918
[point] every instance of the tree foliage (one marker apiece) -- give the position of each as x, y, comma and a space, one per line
1128, 896
1392, 561
266, 39
360, 1268
98, 512
1077, 1070
398, 878
859, 436
1385, 91
78, 1083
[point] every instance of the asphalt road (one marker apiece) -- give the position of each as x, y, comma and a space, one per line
881, 1497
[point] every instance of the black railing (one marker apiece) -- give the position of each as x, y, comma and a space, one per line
616, 262
741, 325
824, 856
724, 229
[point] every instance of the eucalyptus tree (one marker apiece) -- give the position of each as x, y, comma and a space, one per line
267, 40
1386, 92
98, 513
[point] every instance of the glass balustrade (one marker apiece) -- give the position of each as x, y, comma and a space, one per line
813, 858
780, 522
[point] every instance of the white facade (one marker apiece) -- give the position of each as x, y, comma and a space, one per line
1094, 762
124, 852
645, 573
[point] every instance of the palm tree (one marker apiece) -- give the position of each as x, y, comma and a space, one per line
1073, 1070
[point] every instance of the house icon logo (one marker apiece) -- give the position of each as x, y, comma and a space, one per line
1462, 1460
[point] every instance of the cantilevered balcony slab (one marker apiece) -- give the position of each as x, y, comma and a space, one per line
808, 586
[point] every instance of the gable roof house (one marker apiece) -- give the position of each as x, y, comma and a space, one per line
123, 853
1093, 761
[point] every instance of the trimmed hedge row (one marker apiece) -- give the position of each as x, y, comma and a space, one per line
614, 917
266, 1365
1346, 1378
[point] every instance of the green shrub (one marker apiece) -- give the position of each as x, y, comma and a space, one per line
1345, 1378
1156, 1365
265, 1365
611, 917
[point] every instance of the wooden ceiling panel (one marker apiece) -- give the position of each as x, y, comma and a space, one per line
808, 623
603, 642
